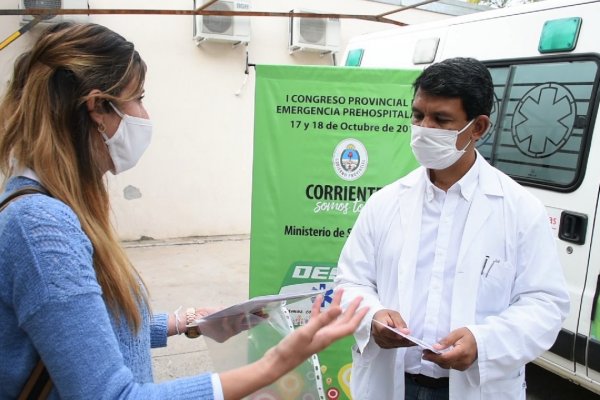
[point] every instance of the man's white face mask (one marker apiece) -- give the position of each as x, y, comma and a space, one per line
129, 142
436, 148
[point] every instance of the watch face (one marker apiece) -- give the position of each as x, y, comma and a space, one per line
192, 332
190, 318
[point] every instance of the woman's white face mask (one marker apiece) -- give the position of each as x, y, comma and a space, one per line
436, 148
129, 142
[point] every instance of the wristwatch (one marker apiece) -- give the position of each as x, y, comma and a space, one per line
192, 332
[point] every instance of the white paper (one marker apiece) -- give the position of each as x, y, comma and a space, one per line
413, 339
259, 304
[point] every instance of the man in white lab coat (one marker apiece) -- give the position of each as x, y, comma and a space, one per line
455, 254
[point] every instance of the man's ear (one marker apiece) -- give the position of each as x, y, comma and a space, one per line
480, 126
94, 107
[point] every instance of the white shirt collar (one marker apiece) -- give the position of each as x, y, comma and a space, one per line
466, 184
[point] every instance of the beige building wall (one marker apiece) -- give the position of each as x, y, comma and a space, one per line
196, 177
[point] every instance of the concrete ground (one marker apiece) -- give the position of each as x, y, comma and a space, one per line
199, 272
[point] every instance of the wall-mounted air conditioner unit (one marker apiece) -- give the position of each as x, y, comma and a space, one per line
55, 4
314, 34
223, 28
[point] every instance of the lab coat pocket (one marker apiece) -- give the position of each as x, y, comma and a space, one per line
495, 287
509, 389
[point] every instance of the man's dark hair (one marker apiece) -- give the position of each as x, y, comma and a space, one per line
465, 78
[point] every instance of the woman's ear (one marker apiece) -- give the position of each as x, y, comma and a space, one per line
480, 126
94, 107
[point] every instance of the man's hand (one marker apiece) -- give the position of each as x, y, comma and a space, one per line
462, 354
385, 338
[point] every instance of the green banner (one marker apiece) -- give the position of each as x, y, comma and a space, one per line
325, 139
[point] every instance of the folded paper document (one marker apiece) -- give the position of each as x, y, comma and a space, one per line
259, 304
413, 339
228, 322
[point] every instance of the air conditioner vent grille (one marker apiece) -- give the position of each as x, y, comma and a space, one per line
313, 30
218, 23
42, 3
223, 28
315, 34
53, 5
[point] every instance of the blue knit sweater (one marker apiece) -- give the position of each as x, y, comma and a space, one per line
51, 305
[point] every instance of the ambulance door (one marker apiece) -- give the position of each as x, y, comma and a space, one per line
542, 122
591, 308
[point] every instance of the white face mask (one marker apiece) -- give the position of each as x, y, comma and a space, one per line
436, 148
129, 142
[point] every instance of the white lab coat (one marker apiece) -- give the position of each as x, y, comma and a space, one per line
515, 312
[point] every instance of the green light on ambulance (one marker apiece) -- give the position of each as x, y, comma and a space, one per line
559, 35
354, 57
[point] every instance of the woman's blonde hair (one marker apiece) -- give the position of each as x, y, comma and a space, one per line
45, 125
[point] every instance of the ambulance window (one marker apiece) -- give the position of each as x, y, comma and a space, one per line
541, 120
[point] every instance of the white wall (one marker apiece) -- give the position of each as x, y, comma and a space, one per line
195, 179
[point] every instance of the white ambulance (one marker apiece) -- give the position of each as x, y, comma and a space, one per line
544, 58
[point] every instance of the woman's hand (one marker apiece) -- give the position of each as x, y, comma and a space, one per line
322, 329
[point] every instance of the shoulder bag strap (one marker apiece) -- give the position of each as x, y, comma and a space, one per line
21, 192
38, 384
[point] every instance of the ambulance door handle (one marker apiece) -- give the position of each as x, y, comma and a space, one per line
572, 227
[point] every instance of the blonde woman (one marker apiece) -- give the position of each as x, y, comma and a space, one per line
68, 294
